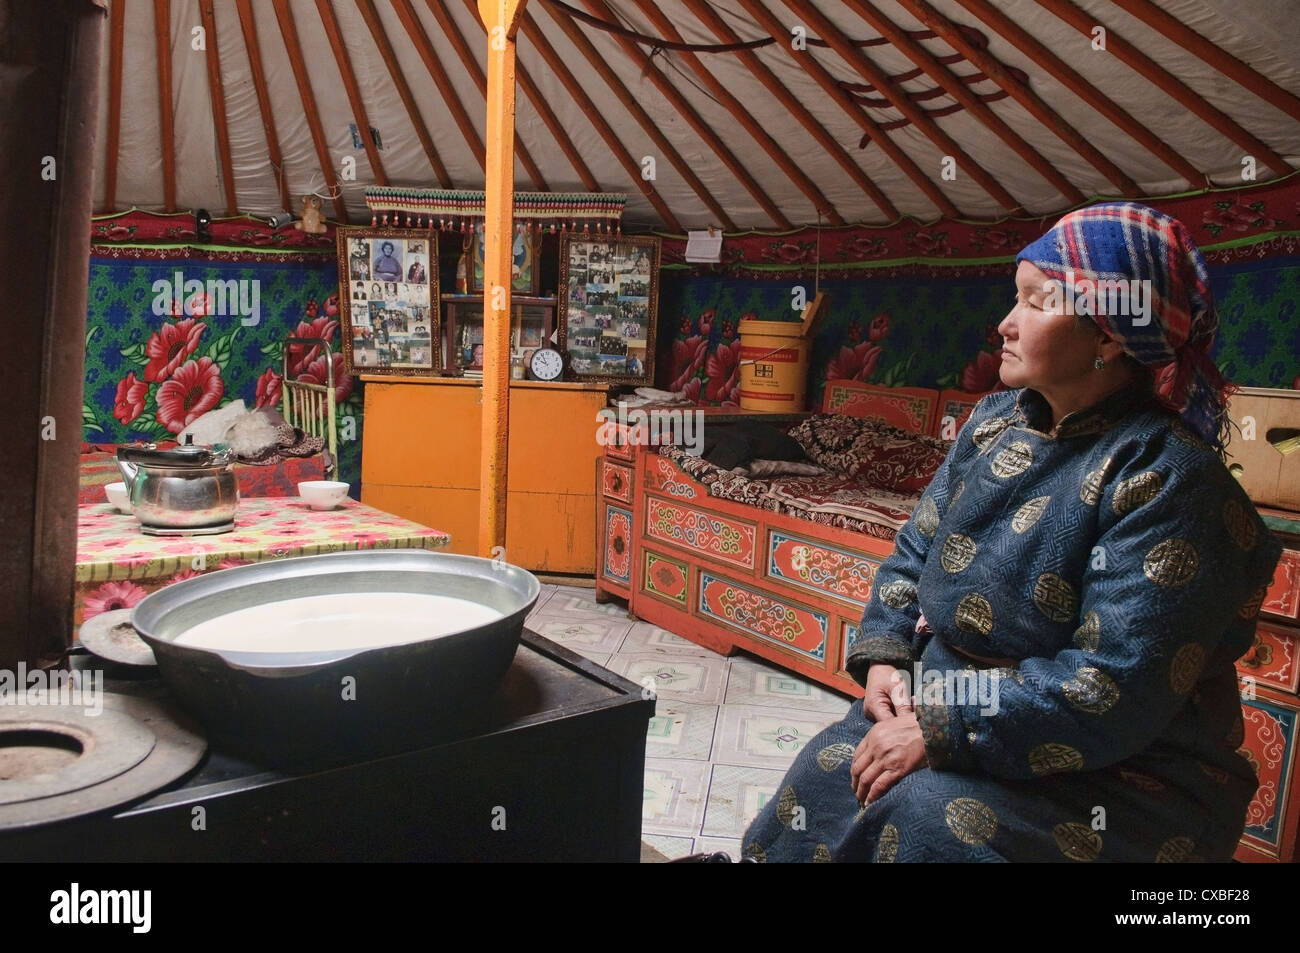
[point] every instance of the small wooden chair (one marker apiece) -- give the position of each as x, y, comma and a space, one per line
310, 407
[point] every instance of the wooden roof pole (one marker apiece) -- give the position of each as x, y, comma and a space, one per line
406, 13
1181, 93
458, 42
1224, 62
959, 91
549, 118
290, 34
694, 119
340, 51
651, 128
616, 148
501, 20
853, 110
249, 27
710, 18
116, 21
371, 16
162, 20
868, 70
1051, 63
217, 93
769, 145
994, 70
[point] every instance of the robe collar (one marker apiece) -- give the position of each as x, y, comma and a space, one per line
1034, 411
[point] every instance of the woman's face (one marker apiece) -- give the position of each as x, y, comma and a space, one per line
1042, 349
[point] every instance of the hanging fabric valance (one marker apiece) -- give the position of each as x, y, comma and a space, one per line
460, 209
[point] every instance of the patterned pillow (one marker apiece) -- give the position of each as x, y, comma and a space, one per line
883, 457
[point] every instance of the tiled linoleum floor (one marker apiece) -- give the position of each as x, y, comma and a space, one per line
725, 729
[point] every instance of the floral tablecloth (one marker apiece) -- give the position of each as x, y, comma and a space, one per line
117, 565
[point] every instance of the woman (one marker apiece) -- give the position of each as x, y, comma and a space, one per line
1048, 654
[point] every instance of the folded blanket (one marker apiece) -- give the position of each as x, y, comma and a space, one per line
265, 437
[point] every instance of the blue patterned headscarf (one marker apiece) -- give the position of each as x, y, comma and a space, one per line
1126, 242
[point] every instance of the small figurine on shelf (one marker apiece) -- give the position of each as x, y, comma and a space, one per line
462, 346
313, 223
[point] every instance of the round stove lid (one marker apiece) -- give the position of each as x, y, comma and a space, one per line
110, 635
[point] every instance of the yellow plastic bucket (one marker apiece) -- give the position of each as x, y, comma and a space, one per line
773, 365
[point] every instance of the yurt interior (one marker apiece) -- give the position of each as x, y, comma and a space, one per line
446, 419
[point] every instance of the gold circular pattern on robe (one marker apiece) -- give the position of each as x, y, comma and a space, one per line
821, 854
1143, 782
971, 821
898, 594
1240, 526
1088, 635
832, 756
785, 806
958, 552
1176, 850
1013, 460
987, 432
958, 490
887, 846
1136, 490
756, 851
1077, 841
974, 614
1184, 433
1218, 775
1028, 514
927, 518
1186, 668
1053, 757
1091, 487
1055, 598
1171, 563
1091, 690
1253, 604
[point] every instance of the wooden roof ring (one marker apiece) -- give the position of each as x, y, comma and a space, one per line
710, 18
877, 78
249, 27
1225, 63
702, 129
996, 71
331, 24
290, 34
415, 29
544, 110
1054, 66
112, 138
616, 148
1181, 93
764, 139
217, 93
166, 129
475, 72
959, 91
385, 47
832, 88
651, 128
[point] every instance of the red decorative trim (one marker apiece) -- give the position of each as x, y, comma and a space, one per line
137, 227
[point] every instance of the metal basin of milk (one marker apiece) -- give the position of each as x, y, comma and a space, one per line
338, 621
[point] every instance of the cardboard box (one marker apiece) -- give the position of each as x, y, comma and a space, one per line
1268, 465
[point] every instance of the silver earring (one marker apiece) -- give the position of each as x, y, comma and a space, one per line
1098, 362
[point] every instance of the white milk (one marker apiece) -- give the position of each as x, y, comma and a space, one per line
358, 620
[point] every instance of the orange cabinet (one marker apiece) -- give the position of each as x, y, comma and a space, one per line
420, 460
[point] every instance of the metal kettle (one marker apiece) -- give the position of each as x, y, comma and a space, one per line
186, 491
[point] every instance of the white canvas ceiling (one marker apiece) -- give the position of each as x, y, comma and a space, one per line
1261, 37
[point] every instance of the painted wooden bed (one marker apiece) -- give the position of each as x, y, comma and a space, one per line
728, 575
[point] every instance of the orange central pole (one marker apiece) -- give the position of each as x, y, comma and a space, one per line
501, 21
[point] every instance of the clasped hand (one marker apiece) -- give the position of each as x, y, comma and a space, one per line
894, 747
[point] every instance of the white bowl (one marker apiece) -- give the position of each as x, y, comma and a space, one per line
119, 496
323, 494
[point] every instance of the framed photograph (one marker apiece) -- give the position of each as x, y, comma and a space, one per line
390, 308
524, 269
609, 300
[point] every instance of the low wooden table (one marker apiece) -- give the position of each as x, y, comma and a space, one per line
118, 565
551, 768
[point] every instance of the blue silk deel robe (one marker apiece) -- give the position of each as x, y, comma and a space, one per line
1107, 574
